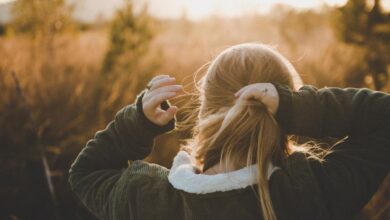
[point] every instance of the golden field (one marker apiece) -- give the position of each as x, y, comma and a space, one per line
54, 95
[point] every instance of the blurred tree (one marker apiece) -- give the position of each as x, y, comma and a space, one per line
40, 17
42, 20
367, 28
127, 65
36, 128
2, 29
130, 36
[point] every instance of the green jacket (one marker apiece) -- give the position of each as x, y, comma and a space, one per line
113, 188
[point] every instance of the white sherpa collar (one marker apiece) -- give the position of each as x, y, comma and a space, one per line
183, 176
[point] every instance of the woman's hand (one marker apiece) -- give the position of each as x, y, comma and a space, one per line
264, 92
161, 88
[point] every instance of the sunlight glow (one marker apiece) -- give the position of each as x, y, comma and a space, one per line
198, 9
6, 1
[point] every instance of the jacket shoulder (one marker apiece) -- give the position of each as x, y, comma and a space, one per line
143, 168
297, 180
143, 187
146, 178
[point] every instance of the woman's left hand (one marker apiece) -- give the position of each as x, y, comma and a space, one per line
264, 92
161, 88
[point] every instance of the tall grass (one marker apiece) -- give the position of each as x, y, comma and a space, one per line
67, 93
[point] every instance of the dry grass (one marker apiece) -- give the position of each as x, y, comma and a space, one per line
63, 82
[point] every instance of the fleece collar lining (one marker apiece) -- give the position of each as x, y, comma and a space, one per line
183, 176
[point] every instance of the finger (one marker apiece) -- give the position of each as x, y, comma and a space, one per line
163, 82
170, 88
157, 99
158, 77
244, 89
168, 115
150, 94
253, 93
239, 92
247, 94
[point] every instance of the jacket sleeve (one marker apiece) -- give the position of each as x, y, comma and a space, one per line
99, 166
333, 112
355, 168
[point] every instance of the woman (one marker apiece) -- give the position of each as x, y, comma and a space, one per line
240, 164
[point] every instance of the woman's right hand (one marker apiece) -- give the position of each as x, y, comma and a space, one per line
162, 88
264, 92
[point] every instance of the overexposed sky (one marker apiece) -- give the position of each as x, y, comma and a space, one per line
194, 9
5, 1
198, 9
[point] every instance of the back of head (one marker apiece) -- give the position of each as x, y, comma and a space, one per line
241, 133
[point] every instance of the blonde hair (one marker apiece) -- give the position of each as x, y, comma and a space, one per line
241, 133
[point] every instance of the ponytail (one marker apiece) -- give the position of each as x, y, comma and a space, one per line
240, 132
245, 134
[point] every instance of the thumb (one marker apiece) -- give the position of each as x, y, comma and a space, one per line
169, 114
